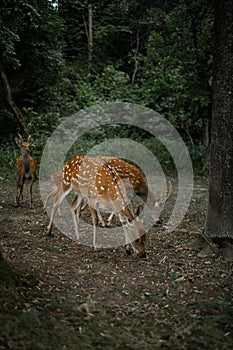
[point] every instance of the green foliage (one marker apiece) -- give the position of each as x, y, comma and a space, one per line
161, 153
8, 155
8, 40
79, 91
174, 82
42, 123
153, 54
30, 37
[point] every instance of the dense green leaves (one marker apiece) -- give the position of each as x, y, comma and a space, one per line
158, 54
30, 37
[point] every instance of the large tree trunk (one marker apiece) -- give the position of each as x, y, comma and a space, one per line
219, 221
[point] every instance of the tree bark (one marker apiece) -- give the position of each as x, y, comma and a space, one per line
135, 59
10, 99
90, 36
219, 220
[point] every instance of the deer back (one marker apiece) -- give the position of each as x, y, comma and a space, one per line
97, 181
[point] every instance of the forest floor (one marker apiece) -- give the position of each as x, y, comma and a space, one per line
57, 294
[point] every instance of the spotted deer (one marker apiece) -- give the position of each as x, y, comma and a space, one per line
25, 168
134, 181
101, 186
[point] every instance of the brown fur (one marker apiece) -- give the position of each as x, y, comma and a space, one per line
97, 182
25, 169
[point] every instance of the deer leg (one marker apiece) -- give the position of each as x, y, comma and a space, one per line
76, 216
19, 189
83, 206
109, 222
30, 190
57, 202
50, 193
75, 211
95, 222
100, 218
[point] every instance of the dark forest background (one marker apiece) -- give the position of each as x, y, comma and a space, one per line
62, 56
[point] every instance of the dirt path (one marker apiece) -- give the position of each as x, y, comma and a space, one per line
82, 299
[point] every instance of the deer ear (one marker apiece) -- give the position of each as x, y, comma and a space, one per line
140, 212
30, 139
18, 140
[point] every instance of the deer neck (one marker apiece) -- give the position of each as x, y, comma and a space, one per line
26, 163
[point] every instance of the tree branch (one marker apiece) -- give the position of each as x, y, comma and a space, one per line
135, 59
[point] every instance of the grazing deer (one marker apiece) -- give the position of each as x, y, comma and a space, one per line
135, 181
100, 185
25, 168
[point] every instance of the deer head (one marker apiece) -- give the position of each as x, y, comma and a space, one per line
24, 145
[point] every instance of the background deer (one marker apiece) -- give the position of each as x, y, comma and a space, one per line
25, 168
100, 185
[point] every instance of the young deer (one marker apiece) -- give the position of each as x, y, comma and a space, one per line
100, 185
25, 168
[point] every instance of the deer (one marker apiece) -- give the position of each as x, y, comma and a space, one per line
136, 182
100, 185
25, 168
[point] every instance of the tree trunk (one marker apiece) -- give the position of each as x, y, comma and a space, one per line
10, 99
219, 220
90, 36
